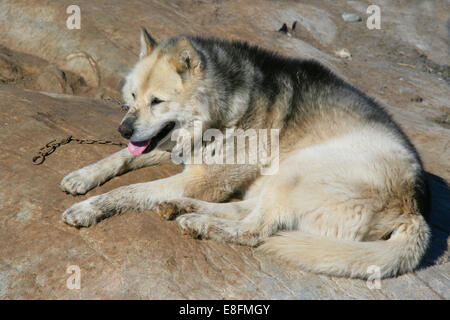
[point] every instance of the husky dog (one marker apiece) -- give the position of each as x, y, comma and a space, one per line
350, 191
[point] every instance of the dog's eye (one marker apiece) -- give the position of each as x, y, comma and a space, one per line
156, 101
133, 95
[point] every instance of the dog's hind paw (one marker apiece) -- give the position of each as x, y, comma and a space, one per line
79, 182
171, 209
83, 214
193, 224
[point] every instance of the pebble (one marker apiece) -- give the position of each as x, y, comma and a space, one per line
351, 17
284, 28
343, 53
417, 99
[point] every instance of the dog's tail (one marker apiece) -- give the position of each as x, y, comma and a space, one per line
401, 253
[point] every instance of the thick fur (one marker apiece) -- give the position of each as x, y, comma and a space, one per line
350, 191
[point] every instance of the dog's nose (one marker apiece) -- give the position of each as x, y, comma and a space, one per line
126, 127
126, 131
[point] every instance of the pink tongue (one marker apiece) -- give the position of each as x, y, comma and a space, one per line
138, 147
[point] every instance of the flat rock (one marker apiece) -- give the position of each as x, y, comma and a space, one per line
135, 255
139, 255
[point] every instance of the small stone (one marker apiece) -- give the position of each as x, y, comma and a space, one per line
351, 17
53, 79
417, 99
343, 53
294, 25
284, 28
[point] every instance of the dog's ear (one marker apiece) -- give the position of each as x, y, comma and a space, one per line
147, 43
186, 58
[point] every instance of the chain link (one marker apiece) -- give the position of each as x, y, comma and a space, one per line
51, 146
123, 105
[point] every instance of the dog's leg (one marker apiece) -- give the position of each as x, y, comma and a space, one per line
231, 210
143, 196
89, 177
139, 196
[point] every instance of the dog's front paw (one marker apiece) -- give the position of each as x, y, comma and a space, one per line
79, 181
193, 224
83, 214
171, 209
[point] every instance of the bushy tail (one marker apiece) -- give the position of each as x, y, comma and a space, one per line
401, 253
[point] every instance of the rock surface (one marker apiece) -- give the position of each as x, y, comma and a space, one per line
138, 255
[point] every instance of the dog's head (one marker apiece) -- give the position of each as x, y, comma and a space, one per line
162, 91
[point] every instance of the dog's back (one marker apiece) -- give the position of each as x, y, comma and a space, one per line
304, 99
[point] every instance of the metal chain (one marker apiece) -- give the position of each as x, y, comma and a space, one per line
123, 105
51, 146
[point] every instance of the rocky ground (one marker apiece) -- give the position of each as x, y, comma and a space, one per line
53, 80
